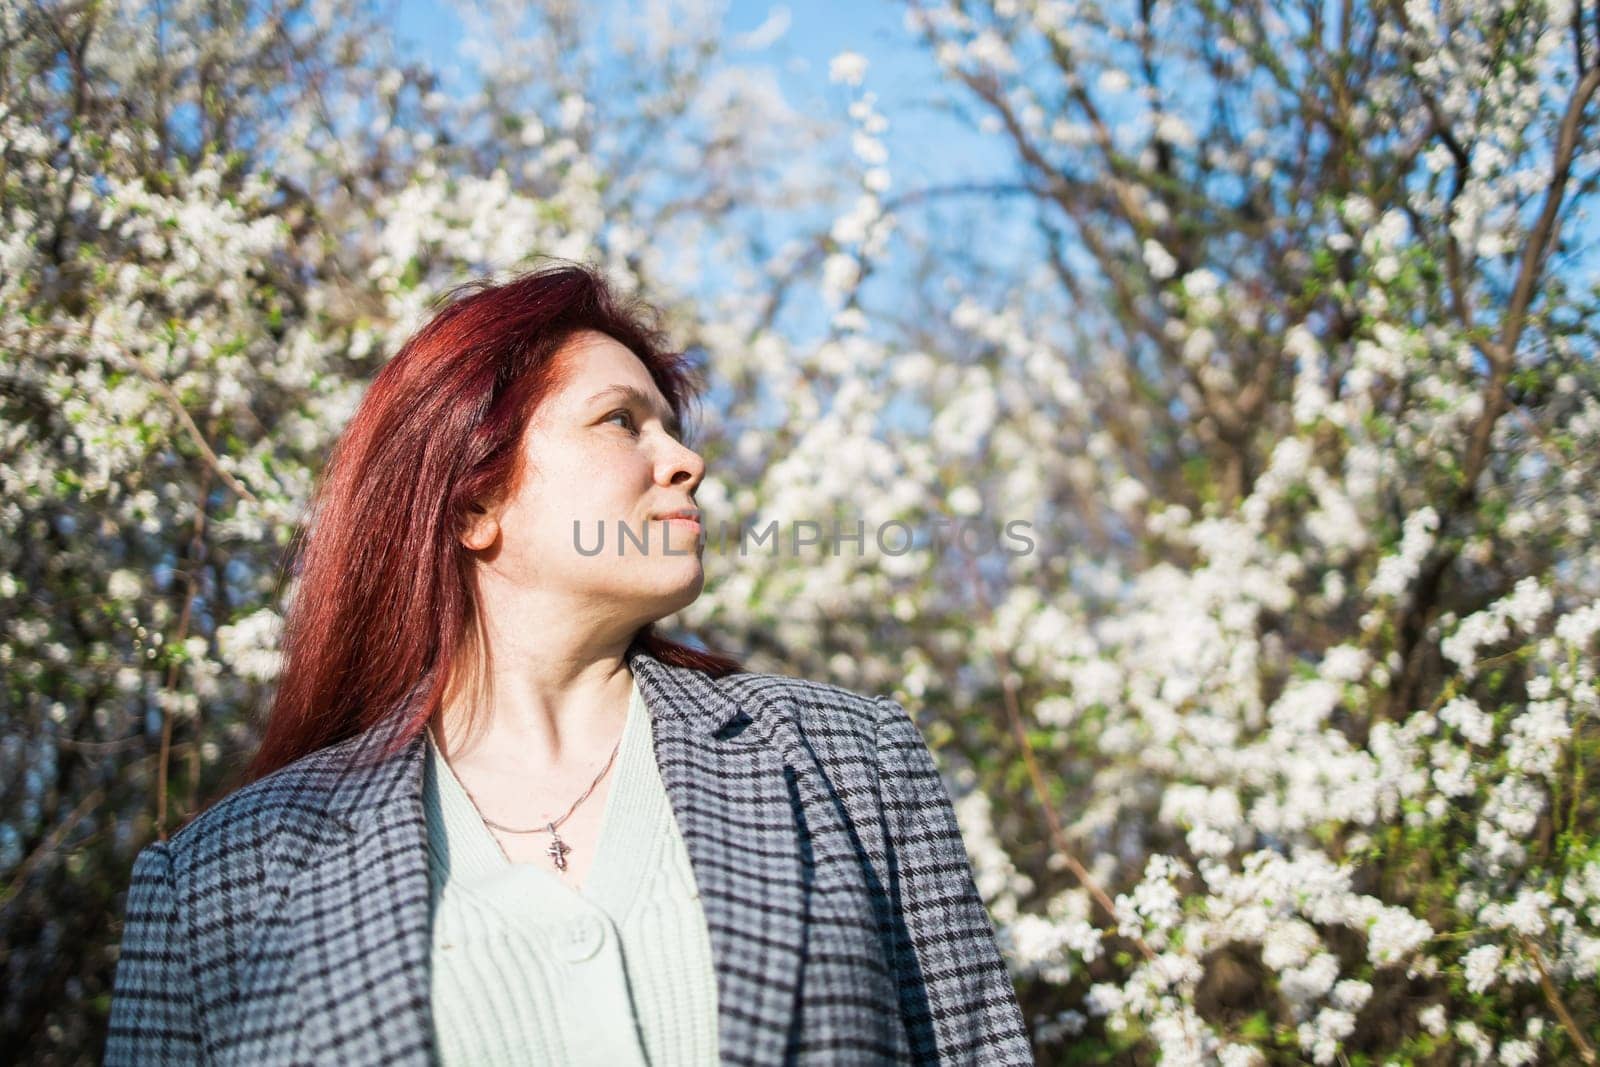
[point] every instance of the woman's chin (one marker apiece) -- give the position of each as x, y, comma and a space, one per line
679, 584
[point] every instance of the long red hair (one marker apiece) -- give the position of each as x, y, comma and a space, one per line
384, 596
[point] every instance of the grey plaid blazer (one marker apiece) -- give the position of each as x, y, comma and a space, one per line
289, 923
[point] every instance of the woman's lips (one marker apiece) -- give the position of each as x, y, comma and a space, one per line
681, 531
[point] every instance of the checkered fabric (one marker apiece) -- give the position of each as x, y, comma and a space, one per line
289, 923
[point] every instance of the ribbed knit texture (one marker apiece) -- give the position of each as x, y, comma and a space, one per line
527, 970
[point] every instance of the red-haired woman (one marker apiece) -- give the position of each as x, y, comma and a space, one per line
496, 819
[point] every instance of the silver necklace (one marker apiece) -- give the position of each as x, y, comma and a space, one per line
558, 848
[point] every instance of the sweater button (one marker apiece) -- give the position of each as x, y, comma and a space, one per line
581, 939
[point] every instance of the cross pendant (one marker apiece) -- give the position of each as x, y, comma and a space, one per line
558, 850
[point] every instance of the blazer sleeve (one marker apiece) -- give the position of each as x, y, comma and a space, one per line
956, 996
153, 1017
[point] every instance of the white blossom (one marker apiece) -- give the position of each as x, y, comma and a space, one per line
1482, 967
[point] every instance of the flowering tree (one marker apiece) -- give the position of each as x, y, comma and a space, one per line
1285, 720
1304, 402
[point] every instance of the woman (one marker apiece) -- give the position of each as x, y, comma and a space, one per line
496, 819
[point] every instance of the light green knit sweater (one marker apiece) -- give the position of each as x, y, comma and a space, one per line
527, 970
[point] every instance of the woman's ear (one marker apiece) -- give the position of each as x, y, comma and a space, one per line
482, 528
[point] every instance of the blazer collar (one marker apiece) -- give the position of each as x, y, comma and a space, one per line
747, 847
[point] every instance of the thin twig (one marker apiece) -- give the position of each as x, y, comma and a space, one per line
196, 543
1058, 836
49, 844
1552, 996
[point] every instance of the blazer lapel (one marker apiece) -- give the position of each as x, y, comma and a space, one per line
735, 786
359, 912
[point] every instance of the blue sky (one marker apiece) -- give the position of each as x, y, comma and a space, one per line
927, 145
815, 33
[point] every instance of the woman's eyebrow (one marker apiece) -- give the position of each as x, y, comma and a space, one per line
639, 398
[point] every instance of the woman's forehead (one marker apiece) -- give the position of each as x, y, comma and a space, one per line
601, 369
594, 360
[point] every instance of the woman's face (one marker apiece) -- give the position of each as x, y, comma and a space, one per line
602, 452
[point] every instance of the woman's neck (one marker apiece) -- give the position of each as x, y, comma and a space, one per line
535, 711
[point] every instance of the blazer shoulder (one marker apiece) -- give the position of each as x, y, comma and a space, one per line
803, 697
839, 725
249, 821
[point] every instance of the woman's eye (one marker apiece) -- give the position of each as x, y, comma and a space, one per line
624, 414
